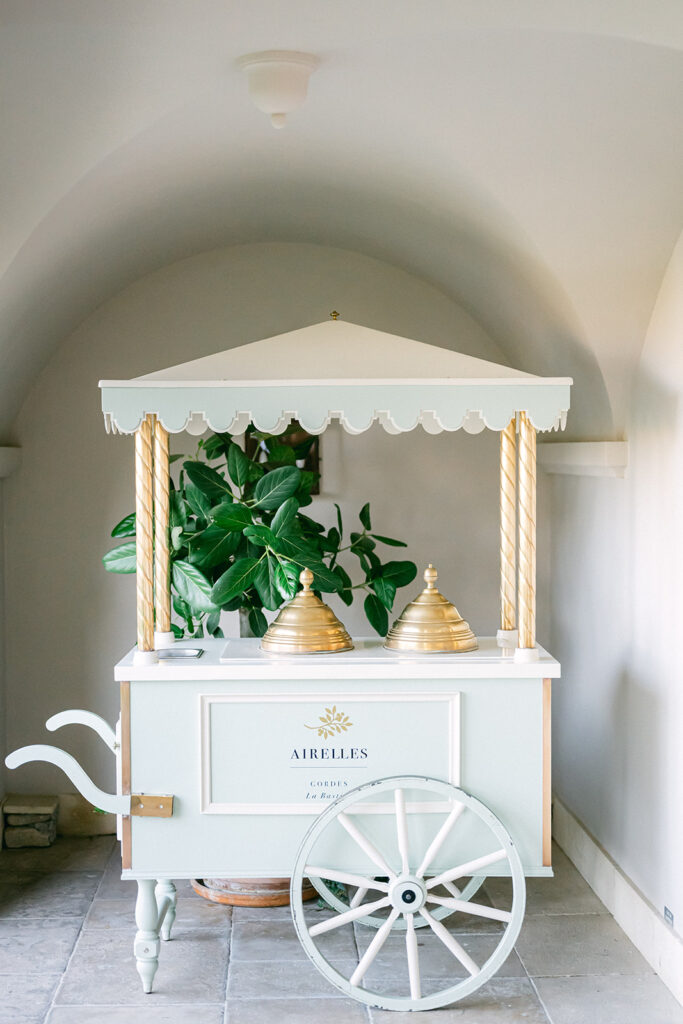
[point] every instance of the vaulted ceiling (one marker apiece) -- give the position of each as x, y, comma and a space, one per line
525, 157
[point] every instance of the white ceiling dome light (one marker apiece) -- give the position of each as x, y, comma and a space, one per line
278, 81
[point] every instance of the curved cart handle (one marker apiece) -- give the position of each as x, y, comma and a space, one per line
142, 805
78, 717
71, 767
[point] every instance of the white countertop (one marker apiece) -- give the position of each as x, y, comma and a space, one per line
243, 659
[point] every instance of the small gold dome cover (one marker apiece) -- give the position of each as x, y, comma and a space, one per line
306, 626
431, 624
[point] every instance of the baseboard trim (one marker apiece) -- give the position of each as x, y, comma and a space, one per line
633, 912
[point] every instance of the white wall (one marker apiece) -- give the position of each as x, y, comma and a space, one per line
617, 615
67, 620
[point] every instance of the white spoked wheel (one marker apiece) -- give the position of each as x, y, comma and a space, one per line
390, 968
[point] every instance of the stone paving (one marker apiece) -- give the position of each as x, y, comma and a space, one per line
67, 928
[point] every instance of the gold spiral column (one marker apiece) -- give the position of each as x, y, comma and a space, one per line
144, 544
526, 595
508, 525
162, 589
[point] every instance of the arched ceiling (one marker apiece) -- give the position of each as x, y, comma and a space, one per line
526, 158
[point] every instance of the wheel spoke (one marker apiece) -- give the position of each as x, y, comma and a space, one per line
413, 959
358, 896
348, 916
469, 868
374, 948
466, 907
345, 878
366, 846
440, 838
452, 889
450, 943
401, 828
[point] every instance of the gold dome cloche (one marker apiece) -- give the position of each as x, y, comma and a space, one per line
431, 624
306, 626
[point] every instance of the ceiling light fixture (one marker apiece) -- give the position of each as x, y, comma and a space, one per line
278, 81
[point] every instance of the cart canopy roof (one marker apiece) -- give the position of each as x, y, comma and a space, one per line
336, 370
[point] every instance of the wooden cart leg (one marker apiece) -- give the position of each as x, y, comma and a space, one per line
147, 944
166, 898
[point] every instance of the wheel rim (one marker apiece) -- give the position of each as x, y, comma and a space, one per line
411, 893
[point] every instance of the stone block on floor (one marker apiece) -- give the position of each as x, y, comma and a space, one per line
30, 820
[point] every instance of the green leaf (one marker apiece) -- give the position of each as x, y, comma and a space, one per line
257, 621
332, 541
308, 480
399, 573
385, 590
360, 543
390, 541
346, 596
376, 614
344, 577
213, 546
181, 607
177, 631
280, 454
199, 502
309, 525
174, 458
302, 551
230, 515
324, 579
176, 537
286, 579
212, 623
260, 535
339, 520
126, 528
215, 445
364, 516
275, 487
120, 559
192, 585
177, 509
236, 580
264, 581
284, 516
238, 465
211, 483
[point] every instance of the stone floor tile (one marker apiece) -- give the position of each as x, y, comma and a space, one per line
641, 999
278, 940
554, 945
295, 1011
40, 947
24, 997
192, 912
500, 1001
240, 914
66, 854
197, 1013
565, 893
102, 970
59, 894
274, 980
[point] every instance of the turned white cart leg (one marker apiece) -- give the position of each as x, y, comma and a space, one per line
166, 898
147, 944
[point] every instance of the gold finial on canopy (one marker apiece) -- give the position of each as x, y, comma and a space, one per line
431, 624
306, 626
334, 314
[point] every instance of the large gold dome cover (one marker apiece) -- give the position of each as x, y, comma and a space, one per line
431, 624
306, 626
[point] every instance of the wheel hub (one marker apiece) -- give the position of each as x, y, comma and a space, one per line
408, 894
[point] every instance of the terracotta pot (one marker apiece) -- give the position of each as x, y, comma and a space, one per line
249, 892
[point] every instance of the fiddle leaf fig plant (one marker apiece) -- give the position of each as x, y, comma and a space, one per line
239, 539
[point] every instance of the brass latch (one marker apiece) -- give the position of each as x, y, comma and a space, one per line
147, 805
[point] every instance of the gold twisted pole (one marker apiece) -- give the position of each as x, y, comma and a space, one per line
508, 525
527, 533
162, 589
144, 545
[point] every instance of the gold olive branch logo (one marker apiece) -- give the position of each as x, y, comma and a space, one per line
333, 722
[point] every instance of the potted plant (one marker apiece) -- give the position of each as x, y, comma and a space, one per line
239, 539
